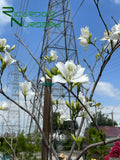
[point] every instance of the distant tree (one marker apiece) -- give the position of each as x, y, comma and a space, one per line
66, 126
103, 120
55, 124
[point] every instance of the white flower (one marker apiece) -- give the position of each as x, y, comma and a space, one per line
106, 36
4, 106
108, 46
115, 34
85, 33
87, 104
63, 118
83, 100
84, 37
8, 59
42, 79
70, 73
53, 55
2, 43
26, 88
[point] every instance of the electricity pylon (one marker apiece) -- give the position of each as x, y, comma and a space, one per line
59, 36
14, 111
59, 32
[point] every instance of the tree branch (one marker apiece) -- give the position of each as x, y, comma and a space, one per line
95, 145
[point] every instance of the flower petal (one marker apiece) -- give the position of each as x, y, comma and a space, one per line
77, 72
62, 69
82, 97
83, 42
70, 66
8, 59
58, 78
83, 79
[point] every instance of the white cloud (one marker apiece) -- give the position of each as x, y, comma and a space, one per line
107, 110
107, 89
28, 19
4, 19
117, 1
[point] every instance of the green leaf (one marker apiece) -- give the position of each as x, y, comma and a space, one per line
57, 101
3, 66
68, 105
22, 70
54, 71
46, 58
19, 69
74, 138
78, 88
12, 47
95, 39
58, 120
48, 73
97, 104
77, 104
73, 107
97, 56
101, 51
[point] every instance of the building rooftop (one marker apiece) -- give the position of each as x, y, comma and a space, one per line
110, 131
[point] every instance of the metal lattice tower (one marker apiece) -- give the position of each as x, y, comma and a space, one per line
59, 36
14, 111
59, 32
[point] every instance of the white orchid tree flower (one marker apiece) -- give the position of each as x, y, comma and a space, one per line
63, 118
85, 37
115, 32
4, 106
7, 47
53, 55
69, 72
87, 104
8, 59
114, 35
4, 47
26, 88
109, 46
42, 79
106, 36
2, 44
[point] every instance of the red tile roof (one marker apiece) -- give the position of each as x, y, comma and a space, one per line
110, 131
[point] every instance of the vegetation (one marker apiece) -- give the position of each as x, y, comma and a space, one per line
23, 146
66, 127
93, 136
103, 120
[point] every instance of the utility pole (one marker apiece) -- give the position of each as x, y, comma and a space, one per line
112, 118
46, 119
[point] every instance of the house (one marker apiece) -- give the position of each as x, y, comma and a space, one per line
110, 131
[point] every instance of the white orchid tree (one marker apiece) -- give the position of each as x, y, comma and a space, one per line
71, 74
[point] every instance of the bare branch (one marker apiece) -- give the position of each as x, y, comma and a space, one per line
95, 145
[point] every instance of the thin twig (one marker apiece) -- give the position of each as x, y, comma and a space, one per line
37, 123
20, 40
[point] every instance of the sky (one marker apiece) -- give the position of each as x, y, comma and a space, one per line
108, 89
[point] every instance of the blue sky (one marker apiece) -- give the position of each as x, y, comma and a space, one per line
108, 90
